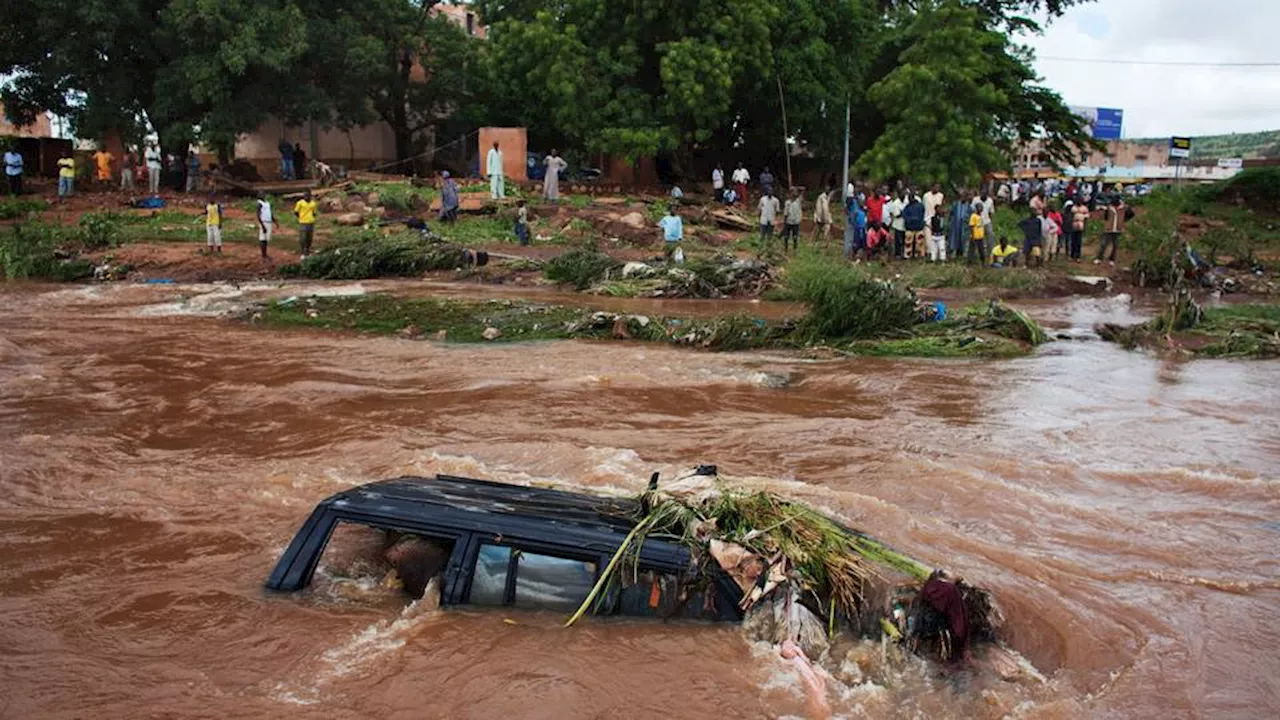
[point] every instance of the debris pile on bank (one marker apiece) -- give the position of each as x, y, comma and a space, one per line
588, 269
1238, 331
372, 255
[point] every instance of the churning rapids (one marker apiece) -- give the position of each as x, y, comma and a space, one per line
154, 462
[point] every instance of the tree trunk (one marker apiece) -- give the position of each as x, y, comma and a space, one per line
404, 146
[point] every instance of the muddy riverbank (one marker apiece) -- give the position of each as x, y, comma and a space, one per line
155, 462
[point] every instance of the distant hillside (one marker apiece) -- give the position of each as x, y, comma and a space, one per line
1247, 145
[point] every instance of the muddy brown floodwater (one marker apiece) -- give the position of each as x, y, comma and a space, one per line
153, 464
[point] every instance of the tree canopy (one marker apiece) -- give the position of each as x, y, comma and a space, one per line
190, 68
939, 89
958, 101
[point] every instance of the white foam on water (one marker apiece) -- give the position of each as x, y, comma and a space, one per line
361, 652
210, 303
282, 694
214, 300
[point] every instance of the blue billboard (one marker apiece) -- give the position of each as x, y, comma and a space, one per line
1101, 123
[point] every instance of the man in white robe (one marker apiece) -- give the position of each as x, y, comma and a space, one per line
551, 183
493, 168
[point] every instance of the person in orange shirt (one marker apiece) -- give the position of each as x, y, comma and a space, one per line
103, 159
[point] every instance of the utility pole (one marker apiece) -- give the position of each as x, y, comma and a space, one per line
844, 177
786, 147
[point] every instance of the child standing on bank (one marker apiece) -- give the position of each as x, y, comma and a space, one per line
977, 235
66, 175
672, 233
937, 238
522, 223
265, 223
213, 225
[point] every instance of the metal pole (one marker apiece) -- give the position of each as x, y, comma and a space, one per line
844, 175
786, 148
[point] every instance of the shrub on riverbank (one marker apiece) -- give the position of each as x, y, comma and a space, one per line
38, 251
17, 207
1257, 189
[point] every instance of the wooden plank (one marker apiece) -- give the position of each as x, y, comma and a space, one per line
366, 176
467, 202
272, 188
731, 220
340, 187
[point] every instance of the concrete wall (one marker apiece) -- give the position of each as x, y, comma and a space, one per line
41, 128
514, 144
617, 169
362, 145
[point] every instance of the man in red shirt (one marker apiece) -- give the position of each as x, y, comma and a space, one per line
875, 206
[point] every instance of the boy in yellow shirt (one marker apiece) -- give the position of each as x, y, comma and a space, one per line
305, 210
977, 236
213, 225
66, 176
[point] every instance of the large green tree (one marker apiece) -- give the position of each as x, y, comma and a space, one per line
177, 65
675, 76
959, 99
193, 69
715, 78
398, 61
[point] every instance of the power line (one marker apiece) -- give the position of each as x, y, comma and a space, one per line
1171, 63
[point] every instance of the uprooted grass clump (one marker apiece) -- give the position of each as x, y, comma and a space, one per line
845, 303
580, 267
464, 321
372, 254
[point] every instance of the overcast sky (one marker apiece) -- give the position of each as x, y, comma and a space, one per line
1162, 100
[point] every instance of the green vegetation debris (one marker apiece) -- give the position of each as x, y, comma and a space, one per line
580, 267
1228, 331
991, 331
35, 250
18, 207
372, 255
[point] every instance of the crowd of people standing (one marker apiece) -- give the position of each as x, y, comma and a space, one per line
905, 224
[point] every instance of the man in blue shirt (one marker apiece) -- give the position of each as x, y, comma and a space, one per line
766, 181
193, 171
13, 169
672, 231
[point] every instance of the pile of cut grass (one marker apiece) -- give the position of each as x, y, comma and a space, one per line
580, 267
372, 255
